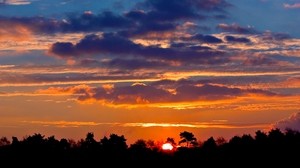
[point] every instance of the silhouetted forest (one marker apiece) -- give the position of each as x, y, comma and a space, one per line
272, 148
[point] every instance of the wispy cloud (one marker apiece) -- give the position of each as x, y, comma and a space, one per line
16, 2
213, 124
291, 6
64, 123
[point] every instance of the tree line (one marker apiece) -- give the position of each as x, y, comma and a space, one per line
274, 147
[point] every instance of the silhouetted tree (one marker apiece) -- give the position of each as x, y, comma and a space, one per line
115, 145
89, 141
64, 144
210, 144
221, 141
151, 145
34, 140
188, 138
139, 147
261, 137
271, 149
171, 141
4, 141
276, 136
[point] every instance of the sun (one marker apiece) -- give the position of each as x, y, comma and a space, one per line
167, 146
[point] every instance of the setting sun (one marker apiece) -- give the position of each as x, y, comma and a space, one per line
167, 146
149, 69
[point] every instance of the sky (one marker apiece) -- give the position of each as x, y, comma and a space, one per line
148, 69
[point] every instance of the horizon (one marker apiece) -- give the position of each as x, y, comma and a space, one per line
149, 69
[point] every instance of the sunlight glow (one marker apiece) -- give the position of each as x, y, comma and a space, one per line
167, 146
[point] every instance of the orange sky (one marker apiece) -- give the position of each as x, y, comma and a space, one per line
148, 69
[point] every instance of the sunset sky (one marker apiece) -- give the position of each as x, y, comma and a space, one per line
148, 69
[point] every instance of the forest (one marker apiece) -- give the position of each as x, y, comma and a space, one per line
275, 147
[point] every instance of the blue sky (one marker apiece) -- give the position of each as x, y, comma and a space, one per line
262, 14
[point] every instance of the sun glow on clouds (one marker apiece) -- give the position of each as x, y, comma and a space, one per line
22, 38
17, 2
149, 57
81, 75
222, 125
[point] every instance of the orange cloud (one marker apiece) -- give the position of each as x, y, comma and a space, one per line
9, 32
184, 96
77, 90
108, 88
213, 124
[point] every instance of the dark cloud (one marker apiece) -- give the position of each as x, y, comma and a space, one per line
261, 60
235, 28
90, 22
63, 48
182, 9
117, 45
234, 39
141, 93
187, 45
135, 64
152, 16
161, 15
128, 64
206, 38
275, 36
86, 22
92, 44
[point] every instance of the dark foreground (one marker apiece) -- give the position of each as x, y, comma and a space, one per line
274, 148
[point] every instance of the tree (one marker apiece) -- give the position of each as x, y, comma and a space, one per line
261, 137
210, 143
139, 146
4, 141
221, 141
171, 141
114, 142
188, 138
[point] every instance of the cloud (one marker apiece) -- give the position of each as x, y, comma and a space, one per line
292, 122
77, 90
206, 38
15, 32
235, 28
118, 45
261, 60
135, 64
15, 2
149, 16
142, 94
86, 22
182, 9
275, 36
160, 16
234, 39
291, 6
212, 124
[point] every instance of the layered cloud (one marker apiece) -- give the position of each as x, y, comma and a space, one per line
153, 16
162, 92
292, 122
235, 28
93, 44
212, 124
